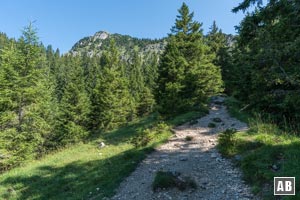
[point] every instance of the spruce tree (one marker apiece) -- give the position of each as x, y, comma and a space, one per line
26, 104
267, 58
187, 75
114, 101
142, 95
92, 70
216, 40
74, 104
150, 71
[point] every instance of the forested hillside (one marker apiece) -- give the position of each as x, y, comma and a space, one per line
95, 45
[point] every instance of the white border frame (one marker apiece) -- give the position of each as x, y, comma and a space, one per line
285, 194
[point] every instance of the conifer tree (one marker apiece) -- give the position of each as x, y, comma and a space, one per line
187, 75
74, 104
266, 59
4, 41
216, 40
92, 70
113, 98
142, 95
150, 71
26, 104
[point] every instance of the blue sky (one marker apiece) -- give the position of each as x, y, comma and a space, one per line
61, 23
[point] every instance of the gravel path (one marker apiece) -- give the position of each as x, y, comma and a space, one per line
215, 176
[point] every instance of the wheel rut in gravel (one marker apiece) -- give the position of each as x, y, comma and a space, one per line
216, 178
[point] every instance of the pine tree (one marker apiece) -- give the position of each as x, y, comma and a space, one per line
114, 101
74, 104
187, 75
4, 41
142, 95
26, 104
136, 79
150, 71
92, 70
216, 40
267, 59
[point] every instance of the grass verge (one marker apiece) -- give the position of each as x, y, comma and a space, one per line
263, 152
85, 171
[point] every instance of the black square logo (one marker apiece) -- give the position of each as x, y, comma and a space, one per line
284, 185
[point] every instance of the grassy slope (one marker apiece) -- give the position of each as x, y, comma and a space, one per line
84, 171
262, 147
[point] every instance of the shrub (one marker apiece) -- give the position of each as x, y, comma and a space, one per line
211, 125
165, 180
189, 138
226, 141
193, 122
217, 120
142, 138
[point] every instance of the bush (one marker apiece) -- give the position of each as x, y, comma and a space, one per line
189, 138
166, 180
227, 135
226, 141
142, 138
211, 125
161, 126
193, 122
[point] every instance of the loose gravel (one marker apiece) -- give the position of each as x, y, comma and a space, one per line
217, 178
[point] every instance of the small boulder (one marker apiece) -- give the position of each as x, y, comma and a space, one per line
175, 173
238, 158
217, 119
183, 158
275, 167
101, 145
213, 155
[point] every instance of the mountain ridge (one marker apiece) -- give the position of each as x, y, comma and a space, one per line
95, 45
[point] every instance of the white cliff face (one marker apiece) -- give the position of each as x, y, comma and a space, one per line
101, 35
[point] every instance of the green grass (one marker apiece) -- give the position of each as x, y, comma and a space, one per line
84, 171
260, 148
234, 108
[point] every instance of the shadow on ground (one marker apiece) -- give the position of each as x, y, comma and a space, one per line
78, 180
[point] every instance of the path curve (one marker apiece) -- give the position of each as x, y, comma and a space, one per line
216, 177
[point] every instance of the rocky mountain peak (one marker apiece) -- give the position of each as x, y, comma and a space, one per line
95, 45
101, 35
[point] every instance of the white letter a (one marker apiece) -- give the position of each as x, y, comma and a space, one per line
280, 186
